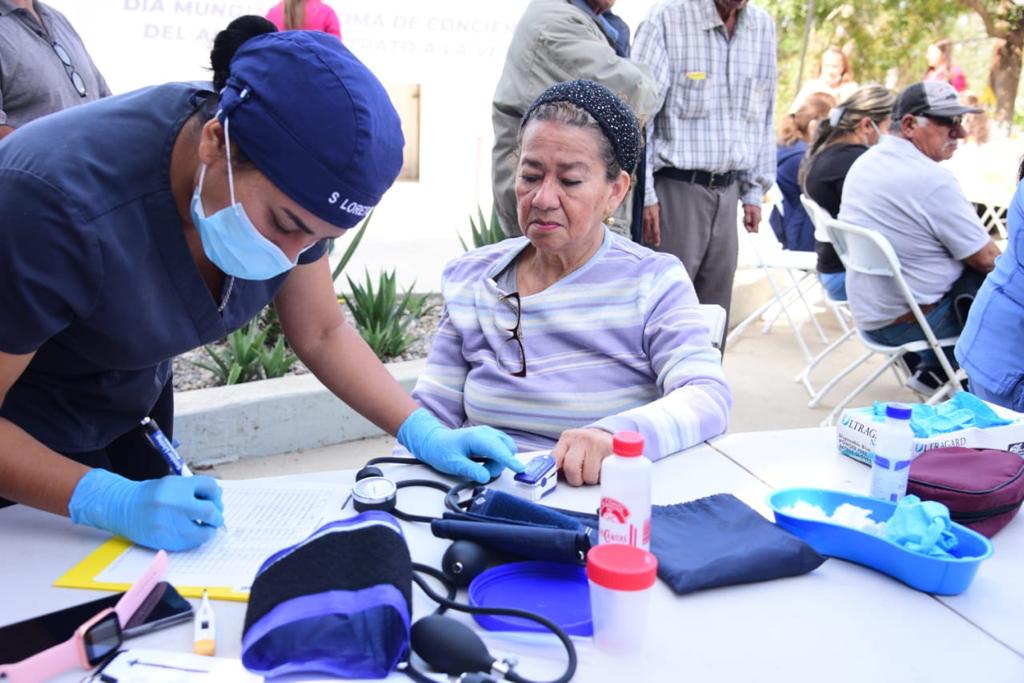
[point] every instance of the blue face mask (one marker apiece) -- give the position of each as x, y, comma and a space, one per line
230, 239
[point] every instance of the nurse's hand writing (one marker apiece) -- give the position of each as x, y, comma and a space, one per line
159, 513
448, 450
579, 454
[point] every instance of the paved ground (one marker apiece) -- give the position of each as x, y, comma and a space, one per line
760, 368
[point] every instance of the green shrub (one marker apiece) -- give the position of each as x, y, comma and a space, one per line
247, 357
240, 361
482, 233
347, 256
277, 361
382, 316
269, 321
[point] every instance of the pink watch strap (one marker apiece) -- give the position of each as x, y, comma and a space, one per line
68, 655
43, 665
141, 589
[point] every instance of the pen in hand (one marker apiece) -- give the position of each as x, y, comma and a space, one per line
166, 449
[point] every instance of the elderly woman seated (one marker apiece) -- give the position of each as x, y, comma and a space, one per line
570, 333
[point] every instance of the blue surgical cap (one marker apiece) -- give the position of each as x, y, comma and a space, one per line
314, 120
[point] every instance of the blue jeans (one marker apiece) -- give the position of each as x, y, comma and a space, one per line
944, 323
946, 320
834, 284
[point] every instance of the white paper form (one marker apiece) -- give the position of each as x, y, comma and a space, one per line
158, 666
262, 517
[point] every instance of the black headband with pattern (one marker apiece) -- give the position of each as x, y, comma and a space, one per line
617, 121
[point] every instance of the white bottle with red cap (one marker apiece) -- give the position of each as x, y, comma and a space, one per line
620, 578
625, 516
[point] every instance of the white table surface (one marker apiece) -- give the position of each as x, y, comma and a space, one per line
807, 457
842, 622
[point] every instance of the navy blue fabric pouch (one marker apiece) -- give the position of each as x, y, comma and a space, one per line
721, 541
337, 603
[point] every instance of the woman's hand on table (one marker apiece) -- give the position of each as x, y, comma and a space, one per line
579, 454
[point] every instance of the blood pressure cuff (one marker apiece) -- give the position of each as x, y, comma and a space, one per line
721, 541
337, 603
518, 527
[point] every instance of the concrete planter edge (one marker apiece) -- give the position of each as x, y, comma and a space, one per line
223, 424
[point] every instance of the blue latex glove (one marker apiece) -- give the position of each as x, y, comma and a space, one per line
984, 416
962, 411
158, 513
923, 527
448, 450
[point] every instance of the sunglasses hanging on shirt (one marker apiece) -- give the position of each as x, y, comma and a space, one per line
76, 78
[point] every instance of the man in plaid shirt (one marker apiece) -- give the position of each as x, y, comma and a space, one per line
712, 142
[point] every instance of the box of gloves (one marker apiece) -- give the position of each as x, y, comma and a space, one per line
964, 420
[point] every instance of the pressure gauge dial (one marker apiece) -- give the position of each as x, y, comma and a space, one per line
374, 493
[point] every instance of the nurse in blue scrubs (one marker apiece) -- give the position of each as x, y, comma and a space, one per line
989, 348
143, 225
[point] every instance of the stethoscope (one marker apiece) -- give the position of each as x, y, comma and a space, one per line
447, 645
374, 491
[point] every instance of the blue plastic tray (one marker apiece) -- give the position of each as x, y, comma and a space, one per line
943, 576
557, 591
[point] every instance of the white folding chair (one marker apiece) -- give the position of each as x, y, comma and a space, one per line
818, 216
714, 316
993, 217
799, 266
867, 251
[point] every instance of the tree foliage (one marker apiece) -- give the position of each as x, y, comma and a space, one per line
886, 39
1003, 20
879, 36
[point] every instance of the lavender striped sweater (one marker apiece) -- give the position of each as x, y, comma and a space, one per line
617, 344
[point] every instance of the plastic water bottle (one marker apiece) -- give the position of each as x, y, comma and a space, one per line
894, 449
626, 493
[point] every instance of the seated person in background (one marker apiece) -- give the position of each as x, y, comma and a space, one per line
792, 225
989, 346
976, 125
834, 78
975, 162
899, 189
856, 124
571, 333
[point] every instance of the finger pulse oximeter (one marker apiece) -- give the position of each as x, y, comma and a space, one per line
537, 480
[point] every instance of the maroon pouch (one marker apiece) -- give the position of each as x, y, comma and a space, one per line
983, 488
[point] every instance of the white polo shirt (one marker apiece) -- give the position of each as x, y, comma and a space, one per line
920, 208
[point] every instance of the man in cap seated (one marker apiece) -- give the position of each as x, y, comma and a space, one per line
899, 189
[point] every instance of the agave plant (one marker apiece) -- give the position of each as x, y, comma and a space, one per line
483, 233
383, 316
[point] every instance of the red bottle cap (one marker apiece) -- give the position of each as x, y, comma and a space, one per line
621, 567
628, 444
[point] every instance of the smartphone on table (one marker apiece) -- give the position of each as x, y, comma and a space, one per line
164, 607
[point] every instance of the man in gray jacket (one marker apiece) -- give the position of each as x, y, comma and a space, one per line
555, 41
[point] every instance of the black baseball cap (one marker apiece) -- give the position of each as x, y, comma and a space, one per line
930, 98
